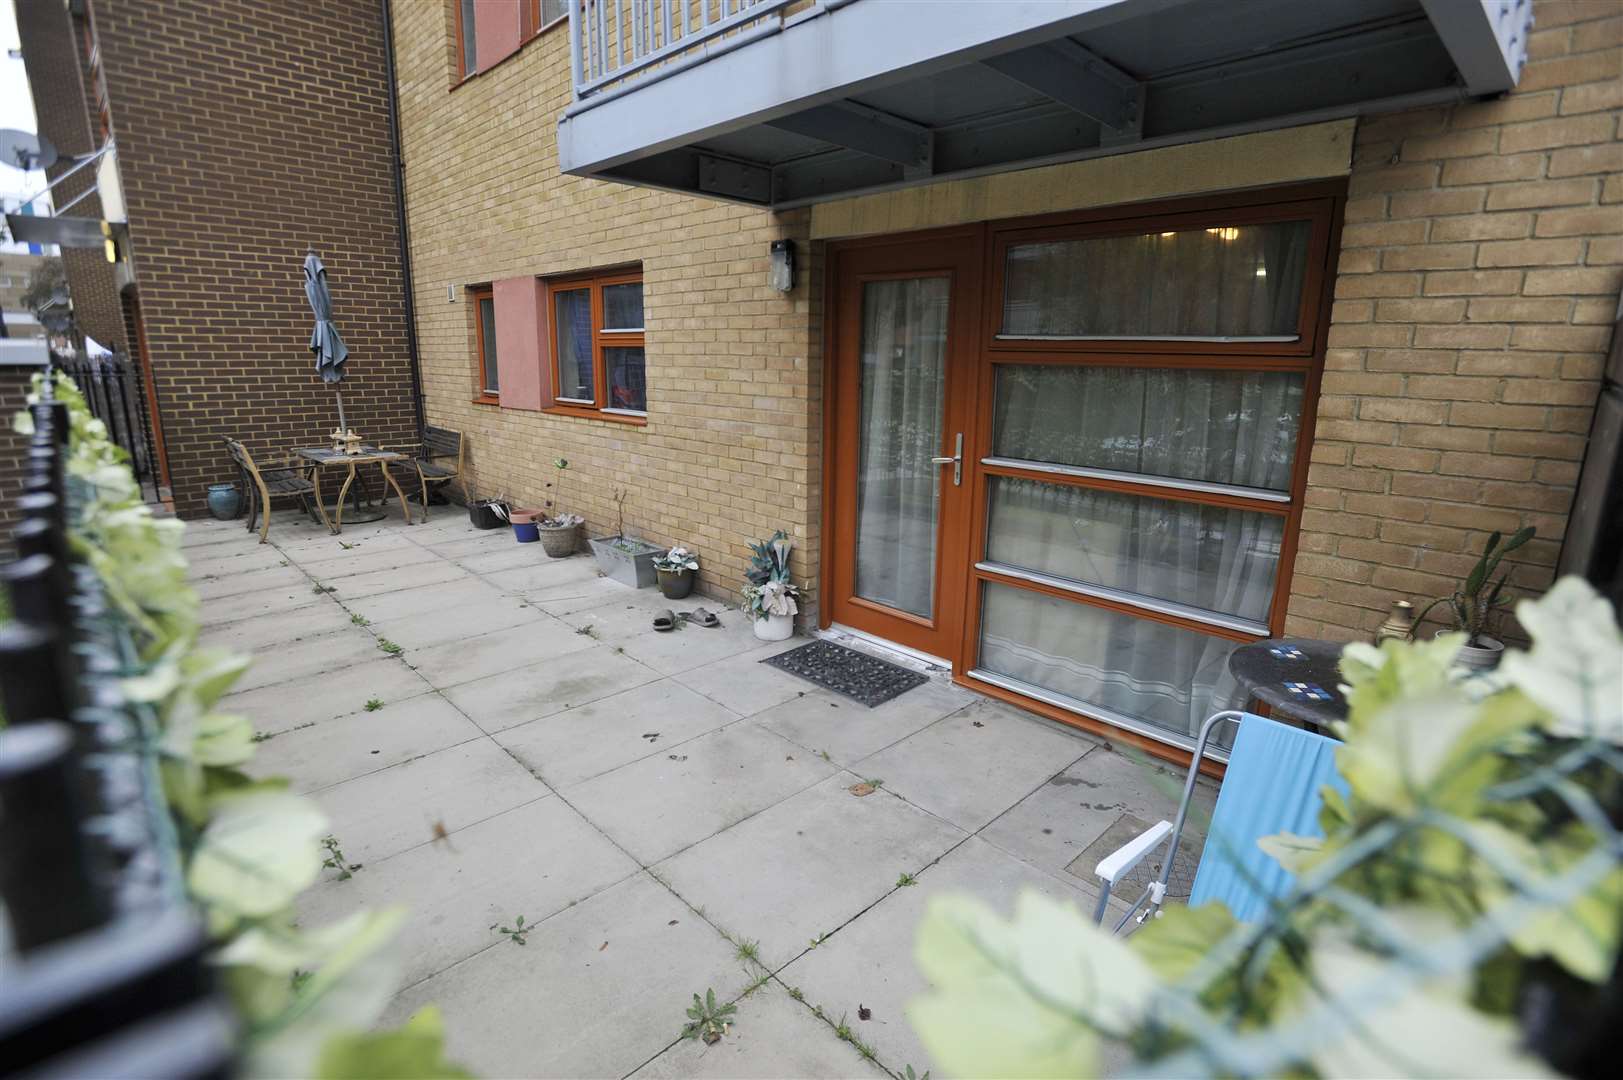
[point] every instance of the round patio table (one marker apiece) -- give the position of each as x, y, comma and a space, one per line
1295, 677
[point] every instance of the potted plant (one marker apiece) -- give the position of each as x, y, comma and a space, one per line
525, 529
625, 559
676, 569
489, 513
558, 532
769, 595
1476, 603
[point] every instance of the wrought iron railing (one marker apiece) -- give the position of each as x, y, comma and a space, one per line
619, 44
101, 956
112, 387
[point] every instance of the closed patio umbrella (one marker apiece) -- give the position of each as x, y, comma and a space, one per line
330, 350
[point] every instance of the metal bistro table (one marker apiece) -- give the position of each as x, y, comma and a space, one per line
322, 457
1295, 677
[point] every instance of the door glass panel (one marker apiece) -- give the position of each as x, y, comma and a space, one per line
1210, 557
574, 308
628, 385
1160, 674
1236, 281
1228, 427
903, 393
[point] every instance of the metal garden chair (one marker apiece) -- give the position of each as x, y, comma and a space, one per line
439, 444
1274, 784
263, 485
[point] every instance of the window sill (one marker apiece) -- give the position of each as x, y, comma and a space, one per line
487, 399
596, 414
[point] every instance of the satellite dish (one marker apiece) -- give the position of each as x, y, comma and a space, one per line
25, 150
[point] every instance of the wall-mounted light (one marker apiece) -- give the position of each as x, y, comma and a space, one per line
781, 275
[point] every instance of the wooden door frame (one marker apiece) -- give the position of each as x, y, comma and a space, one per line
963, 354
1326, 199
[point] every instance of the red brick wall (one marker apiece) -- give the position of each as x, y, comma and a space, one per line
15, 381
247, 130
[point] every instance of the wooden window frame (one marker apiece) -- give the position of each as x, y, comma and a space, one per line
477, 294
594, 283
533, 26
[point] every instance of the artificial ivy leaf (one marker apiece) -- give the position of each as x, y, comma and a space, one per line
258, 851
1173, 943
1575, 668
209, 673
1413, 1029
413, 1051
1295, 853
1396, 671
1010, 998
223, 739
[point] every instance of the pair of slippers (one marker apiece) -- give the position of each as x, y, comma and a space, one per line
665, 620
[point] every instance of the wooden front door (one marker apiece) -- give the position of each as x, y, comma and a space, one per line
905, 320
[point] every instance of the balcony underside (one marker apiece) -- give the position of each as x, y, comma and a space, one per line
867, 95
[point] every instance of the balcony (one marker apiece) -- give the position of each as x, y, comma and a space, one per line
783, 103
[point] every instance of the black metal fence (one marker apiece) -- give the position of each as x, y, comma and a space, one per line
112, 387
102, 959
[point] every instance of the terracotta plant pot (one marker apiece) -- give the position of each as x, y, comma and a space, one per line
558, 540
675, 584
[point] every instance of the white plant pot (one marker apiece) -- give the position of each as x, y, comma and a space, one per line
1480, 657
775, 627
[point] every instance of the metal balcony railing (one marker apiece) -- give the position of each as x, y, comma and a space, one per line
616, 45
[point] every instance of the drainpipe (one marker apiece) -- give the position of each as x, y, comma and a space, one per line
400, 218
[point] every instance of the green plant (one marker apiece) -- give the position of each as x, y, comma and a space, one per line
707, 1020
794, 992
767, 588
389, 647
905, 880
818, 940
335, 858
1476, 603
374, 704
318, 588
678, 558
1461, 912
247, 846
360, 620
909, 1074
842, 1029
749, 950
515, 933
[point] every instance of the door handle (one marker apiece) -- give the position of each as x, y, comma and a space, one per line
956, 461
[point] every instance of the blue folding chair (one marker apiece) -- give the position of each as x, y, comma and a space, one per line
1273, 784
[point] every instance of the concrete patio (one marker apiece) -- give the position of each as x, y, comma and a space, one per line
497, 734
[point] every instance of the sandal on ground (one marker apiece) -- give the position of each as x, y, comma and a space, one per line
703, 617
664, 621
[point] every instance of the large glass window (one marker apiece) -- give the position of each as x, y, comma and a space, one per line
1202, 424
599, 359
1216, 559
1230, 282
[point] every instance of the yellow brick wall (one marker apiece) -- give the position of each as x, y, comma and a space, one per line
1479, 276
732, 446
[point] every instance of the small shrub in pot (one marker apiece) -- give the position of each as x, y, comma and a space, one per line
560, 533
1476, 604
677, 569
769, 595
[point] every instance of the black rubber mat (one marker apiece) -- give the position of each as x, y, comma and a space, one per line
847, 672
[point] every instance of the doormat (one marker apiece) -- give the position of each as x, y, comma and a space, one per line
852, 674
1138, 879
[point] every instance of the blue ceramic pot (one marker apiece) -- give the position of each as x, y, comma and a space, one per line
526, 532
225, 501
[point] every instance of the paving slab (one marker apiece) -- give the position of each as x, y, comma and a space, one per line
773, 1037
745, 685
450, 545
532, 861
344, 747
468, 592
470, 658
870, 961
688, 646
657, 806
598, 990
315, 543
973, 765
336, 693
394, 579
226, 560
807, 865
394, 809
589, 740
490, 558
452, 624
580, 594
315, 619
502, 701
542, 575
275, 577
1050, 827
258, 605
205, 533
851, 731
302, 660
365, 560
